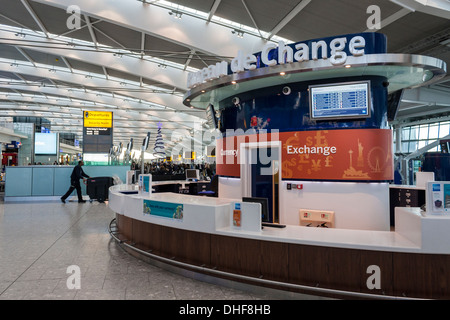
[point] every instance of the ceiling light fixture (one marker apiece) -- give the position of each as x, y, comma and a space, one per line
238, 33
177, 14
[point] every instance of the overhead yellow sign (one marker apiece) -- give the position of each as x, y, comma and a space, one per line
97, 119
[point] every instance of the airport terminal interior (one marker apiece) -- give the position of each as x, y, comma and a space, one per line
224, 149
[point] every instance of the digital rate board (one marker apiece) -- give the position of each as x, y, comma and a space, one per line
97, 131
343, 100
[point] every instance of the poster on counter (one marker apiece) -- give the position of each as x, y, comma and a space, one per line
438, 197
163, 209
237, 215
145, 184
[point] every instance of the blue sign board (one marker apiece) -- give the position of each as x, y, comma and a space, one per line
163, 209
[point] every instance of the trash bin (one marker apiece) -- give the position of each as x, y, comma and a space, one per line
97, 188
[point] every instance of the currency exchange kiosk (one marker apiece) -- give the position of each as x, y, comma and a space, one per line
304, 126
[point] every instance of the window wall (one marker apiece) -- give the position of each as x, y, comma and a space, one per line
418, 136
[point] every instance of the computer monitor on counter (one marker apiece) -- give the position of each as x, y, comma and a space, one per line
192, 174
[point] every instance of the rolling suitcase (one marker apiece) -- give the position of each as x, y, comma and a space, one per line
97, 188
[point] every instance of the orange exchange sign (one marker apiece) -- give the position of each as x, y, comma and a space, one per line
342, 155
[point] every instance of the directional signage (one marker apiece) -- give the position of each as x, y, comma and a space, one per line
97, 131
98, 119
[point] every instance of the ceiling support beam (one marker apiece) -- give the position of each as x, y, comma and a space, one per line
142, 45
26, 56
67, 64
188, 61
208, 38
125, 63
438, 8
35, 17
252, 18
213, 10
392, 18
427, 96
294, 12
105, 72
91, 31
116, 103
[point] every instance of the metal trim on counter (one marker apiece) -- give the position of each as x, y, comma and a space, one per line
257, 281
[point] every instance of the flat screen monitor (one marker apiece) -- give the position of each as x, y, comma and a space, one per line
340, 101
264, 206
146, 141
192, 174
45, 143
130, 145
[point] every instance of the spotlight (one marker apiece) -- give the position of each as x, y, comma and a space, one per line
176, 14
238, 33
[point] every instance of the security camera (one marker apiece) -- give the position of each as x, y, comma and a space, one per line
286, 91
235, 100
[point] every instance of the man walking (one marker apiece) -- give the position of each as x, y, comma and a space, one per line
75, 177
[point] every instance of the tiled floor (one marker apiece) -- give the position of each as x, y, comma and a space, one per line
40, 240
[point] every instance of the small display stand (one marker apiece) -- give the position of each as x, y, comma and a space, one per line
145, 185
438, 197
316, 218
130, 175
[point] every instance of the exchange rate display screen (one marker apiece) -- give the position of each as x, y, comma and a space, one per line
337, 101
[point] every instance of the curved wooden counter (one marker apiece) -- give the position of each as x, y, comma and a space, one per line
329, 262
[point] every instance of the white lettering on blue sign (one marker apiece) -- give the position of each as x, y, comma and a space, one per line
317, 50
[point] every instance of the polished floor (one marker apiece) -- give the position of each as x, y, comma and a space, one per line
39, 241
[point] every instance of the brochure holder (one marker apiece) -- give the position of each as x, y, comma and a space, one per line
438, 197
145, 185
130, 175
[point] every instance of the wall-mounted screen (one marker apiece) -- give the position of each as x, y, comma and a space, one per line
45, 143
340, 101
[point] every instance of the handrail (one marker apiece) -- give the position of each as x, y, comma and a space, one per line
258, 280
